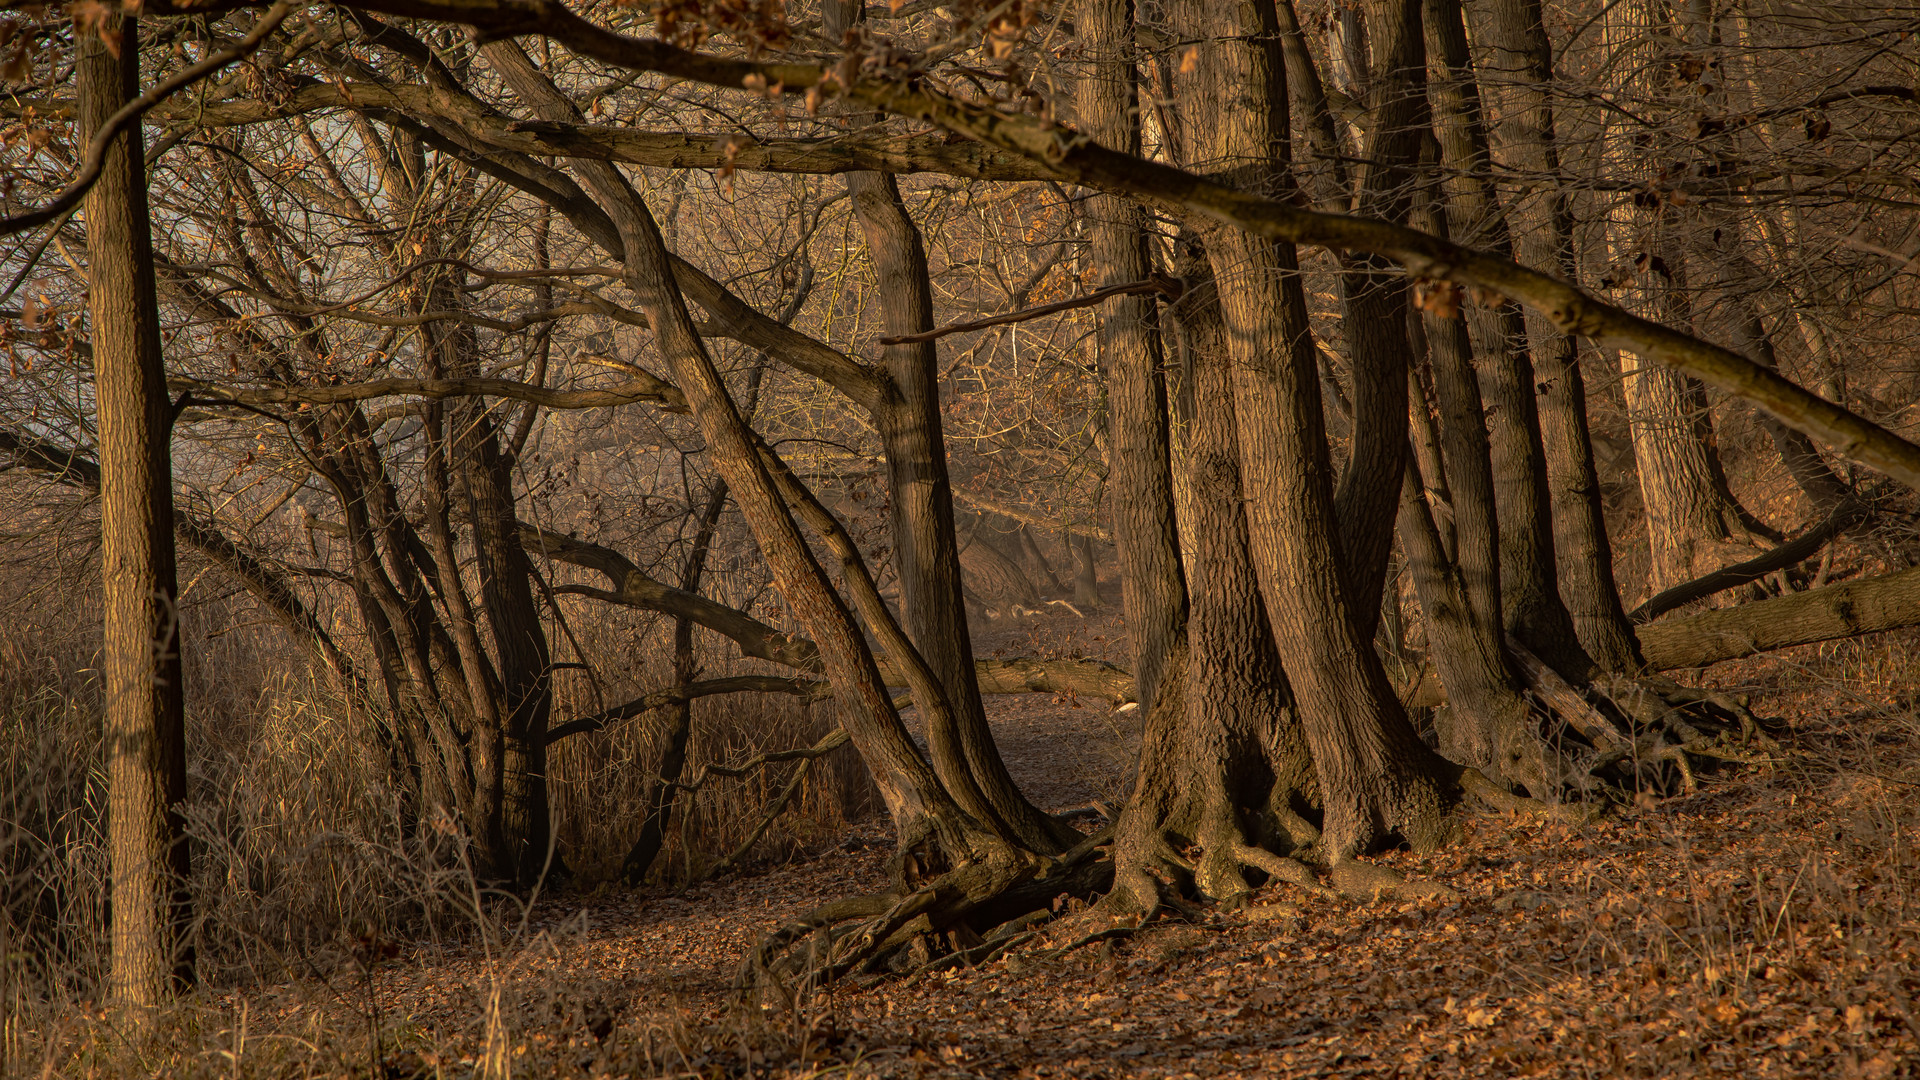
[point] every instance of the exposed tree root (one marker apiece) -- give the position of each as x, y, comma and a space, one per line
1645, 733
967, 915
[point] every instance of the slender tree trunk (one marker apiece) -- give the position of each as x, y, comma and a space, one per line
1140, 478
1375, 295
926, 557
661, 792
145, 703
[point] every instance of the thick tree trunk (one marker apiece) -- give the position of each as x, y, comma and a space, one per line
1139, 480
1224, 765
145, 722
1517, 68
1379, 783
1693, 524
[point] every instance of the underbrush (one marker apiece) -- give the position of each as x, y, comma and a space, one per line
307, 872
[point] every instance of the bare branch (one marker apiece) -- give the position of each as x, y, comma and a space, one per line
130, 114
1159, 285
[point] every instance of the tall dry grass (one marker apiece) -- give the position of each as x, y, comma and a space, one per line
302, 858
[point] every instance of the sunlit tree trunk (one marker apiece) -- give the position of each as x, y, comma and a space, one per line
145, 723
1139, 478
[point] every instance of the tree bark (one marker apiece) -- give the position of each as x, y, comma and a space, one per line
1888, 602
1379, 783
1139, 480
145, 720
1517, 69
1224, 766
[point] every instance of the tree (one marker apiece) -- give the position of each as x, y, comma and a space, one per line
146, 700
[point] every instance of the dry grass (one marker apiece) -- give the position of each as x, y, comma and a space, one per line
305, 872
1768, 926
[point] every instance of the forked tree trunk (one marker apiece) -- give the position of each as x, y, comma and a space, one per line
145, 723
1379, 783
1517, 69
1139, 479
1529, 571
934, 833
1224, 766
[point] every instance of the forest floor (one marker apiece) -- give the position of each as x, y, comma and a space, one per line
1768, 925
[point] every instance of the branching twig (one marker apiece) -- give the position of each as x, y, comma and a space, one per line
132, 111
1159, 285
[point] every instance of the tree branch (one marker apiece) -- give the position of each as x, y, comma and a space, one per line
1164, 287
674, 695
130, 114
1072, 157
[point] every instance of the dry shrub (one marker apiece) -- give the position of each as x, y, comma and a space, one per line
305, 859
600, 782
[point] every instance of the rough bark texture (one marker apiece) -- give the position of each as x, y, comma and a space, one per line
1837, 611
1139, 478
1516, 64
1375, 296
1529, 573
1224, 766
145, 703
1378, 781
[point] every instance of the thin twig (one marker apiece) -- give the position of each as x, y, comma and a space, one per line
1159, 285
133, 110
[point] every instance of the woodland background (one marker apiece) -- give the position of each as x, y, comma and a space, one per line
379, 592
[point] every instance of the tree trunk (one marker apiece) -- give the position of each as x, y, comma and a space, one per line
145, 719
926, 557
1379, 783
1529, 573
1224, 765
661, 790
1140, 479
934, 833
1518, 71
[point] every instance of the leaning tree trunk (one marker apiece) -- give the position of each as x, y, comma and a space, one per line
145, 723
935, 834
1140, 478
926, 556
1379, 783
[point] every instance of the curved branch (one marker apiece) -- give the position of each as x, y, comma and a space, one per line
1794, 551
1158, 285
